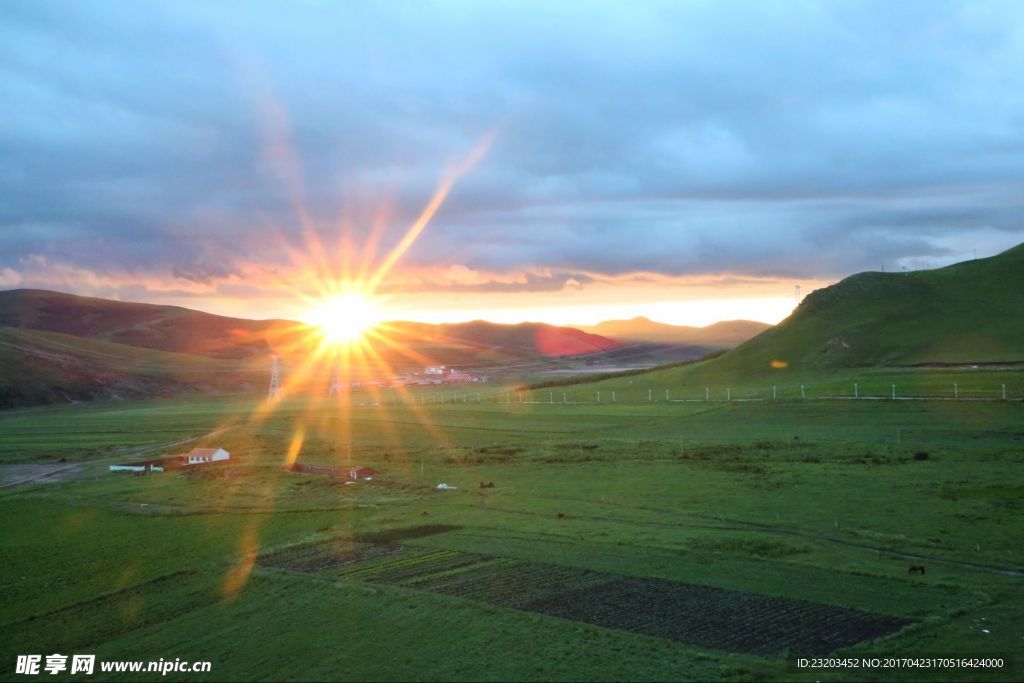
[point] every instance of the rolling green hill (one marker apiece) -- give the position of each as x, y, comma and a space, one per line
38, 367
969, 313
163, 328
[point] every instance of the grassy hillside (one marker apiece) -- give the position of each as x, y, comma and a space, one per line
881, 323
47, 367
164, 328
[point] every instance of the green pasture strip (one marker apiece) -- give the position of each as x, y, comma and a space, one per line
56, 553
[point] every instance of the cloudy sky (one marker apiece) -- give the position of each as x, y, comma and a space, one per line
686, 160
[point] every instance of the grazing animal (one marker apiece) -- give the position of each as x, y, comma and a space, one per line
915, 569
561, 515
487, 484
425, 513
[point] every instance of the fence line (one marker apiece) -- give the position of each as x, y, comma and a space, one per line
711, 395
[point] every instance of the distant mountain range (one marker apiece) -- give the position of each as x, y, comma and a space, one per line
182, 330
61, 347
720, 335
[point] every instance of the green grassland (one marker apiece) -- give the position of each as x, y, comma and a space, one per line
821, 501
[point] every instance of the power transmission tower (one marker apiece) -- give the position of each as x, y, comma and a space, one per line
335, 389
274, 393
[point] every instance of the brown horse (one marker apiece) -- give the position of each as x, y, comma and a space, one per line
916, 569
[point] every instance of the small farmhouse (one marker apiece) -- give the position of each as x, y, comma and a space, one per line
198, 456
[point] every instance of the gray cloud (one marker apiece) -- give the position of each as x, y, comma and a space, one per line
794, 140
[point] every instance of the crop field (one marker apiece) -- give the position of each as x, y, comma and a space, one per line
639, 541
704, 616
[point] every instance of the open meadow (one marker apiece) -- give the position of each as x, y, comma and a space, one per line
641, 540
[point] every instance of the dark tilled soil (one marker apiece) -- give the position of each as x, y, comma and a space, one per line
717, 618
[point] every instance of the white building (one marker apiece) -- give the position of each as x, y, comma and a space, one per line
198, 456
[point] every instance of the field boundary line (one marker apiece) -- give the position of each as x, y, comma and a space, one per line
963, 564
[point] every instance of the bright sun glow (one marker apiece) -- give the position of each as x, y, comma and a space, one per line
344, 318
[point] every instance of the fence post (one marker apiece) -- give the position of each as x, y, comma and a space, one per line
728, 394
613, 396
1004, 392
894, 392
666, 395
956, 392
802, 394
856, 393
774, 396
650, 397
599, 397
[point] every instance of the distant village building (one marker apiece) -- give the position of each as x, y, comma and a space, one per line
435, 370
198, 456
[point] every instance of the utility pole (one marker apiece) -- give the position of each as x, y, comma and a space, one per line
274, 393
335, 388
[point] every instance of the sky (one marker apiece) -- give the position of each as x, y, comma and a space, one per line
690, 161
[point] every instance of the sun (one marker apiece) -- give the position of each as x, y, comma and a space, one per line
344, 318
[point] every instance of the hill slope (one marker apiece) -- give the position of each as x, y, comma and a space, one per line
720, 335
966, 313
970, 312
38, 367
163, 328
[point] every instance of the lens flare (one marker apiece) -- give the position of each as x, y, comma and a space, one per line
344, 318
